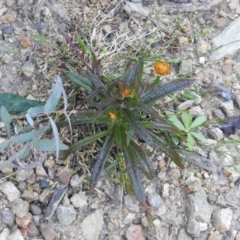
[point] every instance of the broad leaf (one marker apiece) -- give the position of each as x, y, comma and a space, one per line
81, 81
168, 149
177, 123
5, 115
160, 91
102, 158
186, 119
199, 136
139, 129
45, 145
198, 122
75, 146
28, 136
16, 104
4, 144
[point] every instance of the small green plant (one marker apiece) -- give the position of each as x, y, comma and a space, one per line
187, 126
124, 111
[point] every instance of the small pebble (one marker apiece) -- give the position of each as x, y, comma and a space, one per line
25, 42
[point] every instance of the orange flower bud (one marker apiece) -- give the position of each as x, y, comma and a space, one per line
125, 91
162, 68
112, 116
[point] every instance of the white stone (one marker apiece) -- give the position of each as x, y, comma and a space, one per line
79, 200
9, 189
222, 219
165, 190
227, 42
201, 60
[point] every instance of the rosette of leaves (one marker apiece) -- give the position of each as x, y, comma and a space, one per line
125, 107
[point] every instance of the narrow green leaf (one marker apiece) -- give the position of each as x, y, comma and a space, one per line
133, 172
75, 146
101, 160
130, 135
168, 149
139, 129
142, 158
83, 45
28, 136
45, 145
81, 81
199, 136
190, 141
133, 74
117, 134
177, 123
4, 144
198, 122
53, 99
160, 91
5, 115
187, 120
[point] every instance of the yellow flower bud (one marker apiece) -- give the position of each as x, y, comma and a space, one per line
112, 116
125, 91
162, 68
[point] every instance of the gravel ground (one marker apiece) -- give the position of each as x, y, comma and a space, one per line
201, 202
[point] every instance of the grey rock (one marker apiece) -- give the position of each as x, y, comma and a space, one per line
234, 4
193, 228
165, 190
216, 134
155, 200
35, 209
66, 214
228, 39
222, 219
8, 218
15, 235
48, 232
131, 203
76, 181
10, 3
7, 30
23, 174
218, 113
4, 233
9, 189
161, 210
202, 46
30, 196
203, 236
92, 225
129, 218
185, 105
237, 98
232, 173
196, 111
3, 11
215, 236
228, 108
22, 186
20, 207
28, 68
182, 234
79, 200
198, 207
135, 232
8, 17
186, 66
20, 3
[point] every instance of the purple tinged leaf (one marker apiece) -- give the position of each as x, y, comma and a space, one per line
136, 125
227, 95
160, 91
101, 160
